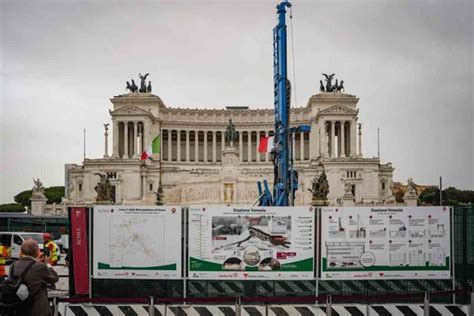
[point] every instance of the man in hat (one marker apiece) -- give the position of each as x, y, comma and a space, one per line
4, 256
51, 250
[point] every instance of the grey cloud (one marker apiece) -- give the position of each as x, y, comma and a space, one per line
410, 62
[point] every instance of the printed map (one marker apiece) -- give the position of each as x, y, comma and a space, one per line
136, 241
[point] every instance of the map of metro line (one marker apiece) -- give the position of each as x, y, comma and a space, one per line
137, 242
133, 244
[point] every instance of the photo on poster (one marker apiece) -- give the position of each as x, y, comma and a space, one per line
256, 242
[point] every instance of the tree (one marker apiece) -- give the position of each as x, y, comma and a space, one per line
53, 194
24, 198
451, 196
430, 196
12, 207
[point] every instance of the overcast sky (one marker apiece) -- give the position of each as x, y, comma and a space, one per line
409, 62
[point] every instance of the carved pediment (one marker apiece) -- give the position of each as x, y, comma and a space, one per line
127, 110
338, 110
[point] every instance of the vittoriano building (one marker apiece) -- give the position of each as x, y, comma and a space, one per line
196, 166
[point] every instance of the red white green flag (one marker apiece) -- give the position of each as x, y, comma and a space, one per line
154, 148
266, 144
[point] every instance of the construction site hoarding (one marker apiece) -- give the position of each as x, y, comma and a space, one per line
137, 242
385, 243
248, 243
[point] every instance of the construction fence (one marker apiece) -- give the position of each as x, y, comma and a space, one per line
445, 291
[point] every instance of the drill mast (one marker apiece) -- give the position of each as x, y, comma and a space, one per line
285, 179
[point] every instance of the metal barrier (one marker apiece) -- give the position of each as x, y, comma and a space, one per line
263, 310
257, 306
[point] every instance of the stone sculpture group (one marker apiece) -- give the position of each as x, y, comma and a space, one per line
103, 189
320, 187
143, 86
338, 87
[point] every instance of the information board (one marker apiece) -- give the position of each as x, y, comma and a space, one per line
385, 243
136, 242
251, 243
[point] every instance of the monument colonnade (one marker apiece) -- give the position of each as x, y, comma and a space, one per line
206, 145
128, 138
339, 140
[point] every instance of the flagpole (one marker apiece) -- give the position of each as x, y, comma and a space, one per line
160, 188
84, 144
378, 143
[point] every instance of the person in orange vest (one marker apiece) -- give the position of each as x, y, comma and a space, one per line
51, 250
4, 256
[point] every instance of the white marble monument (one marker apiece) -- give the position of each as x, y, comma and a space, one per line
197, 167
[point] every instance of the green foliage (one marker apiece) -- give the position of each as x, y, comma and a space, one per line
430, 196
53, 194
12, 207
451, 196
24, 198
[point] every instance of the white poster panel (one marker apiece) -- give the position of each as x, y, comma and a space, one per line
136, 242
251, 243
385, 243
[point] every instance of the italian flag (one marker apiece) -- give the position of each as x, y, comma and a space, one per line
153, 149
266, 144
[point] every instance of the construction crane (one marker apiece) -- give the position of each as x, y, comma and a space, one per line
285, 177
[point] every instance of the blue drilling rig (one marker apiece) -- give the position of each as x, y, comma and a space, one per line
285, 177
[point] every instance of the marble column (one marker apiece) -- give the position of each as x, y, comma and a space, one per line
147, 135
142, 138
187, 146
214, 146
134, 138
223, 140
140, 144
302, 145
241, 146
178, 144
360, 140
106, 144
257, 154
249, 146
205, 146
343, 140
352, 142
125, 140
266, 154
333, 139
115, 153
170, 154
324, 139
322, 134
313, 140
196, 147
